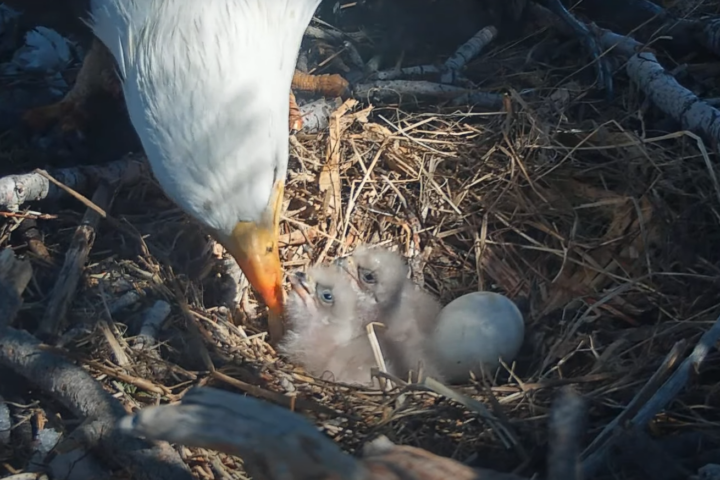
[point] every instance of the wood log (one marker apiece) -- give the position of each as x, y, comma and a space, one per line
276, 443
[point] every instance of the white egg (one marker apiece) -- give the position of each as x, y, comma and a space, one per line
476, 329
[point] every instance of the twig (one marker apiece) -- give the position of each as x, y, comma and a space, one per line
387, 461
79, 196
377, 353
127, 299
16, 190
481, 100
473, 405
34, 239
329, 85
75, 259
679, 379
280, 399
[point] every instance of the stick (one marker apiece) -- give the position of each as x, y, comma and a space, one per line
567, 426
127, 299
75, 259
274, 443
316, 114
640, 398
390, 90
16, 190
153, 319
467, 52
475, 406
14, 276
665, 92
377, 353
275, 397
664, 395
416, 71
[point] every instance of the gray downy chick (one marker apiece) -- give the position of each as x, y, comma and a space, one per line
325, 333
388, 296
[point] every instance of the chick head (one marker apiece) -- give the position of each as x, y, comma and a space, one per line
322, 297
379, 274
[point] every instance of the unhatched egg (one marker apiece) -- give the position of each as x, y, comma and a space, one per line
476, 330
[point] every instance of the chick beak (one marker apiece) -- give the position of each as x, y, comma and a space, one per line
300, 285
254, 245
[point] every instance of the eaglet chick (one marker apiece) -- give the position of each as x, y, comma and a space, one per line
387, 296
325, 333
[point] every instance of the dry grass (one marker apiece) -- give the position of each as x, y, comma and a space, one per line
605, 230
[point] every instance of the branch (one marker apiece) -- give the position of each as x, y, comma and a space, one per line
75, 259
30, 187
662, 88
664, 395
316, 114
153, 319
389, 90
567, 426
273, 442
466, 52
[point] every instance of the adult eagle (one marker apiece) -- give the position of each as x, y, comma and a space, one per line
206, 86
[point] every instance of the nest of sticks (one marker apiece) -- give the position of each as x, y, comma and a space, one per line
601, 224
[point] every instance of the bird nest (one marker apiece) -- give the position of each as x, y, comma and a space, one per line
599, 224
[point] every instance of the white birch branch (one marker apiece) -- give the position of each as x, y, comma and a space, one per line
662, 88
467, 51
16, 190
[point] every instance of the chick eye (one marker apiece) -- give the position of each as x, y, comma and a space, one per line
367, 276
325, 295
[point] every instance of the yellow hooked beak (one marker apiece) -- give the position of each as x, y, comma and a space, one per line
254, 245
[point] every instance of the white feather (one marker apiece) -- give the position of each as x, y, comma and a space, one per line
206, 84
